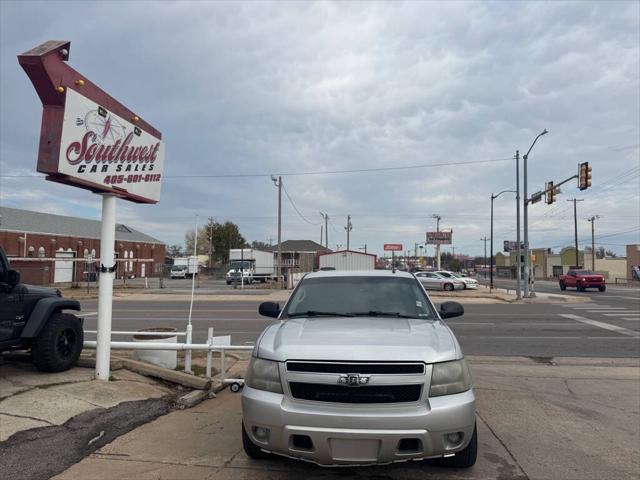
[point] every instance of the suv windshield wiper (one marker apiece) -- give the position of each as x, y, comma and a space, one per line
378, 313
317, 313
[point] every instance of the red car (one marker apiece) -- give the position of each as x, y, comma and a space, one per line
581, 280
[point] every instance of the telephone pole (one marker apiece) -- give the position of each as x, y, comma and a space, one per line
278, 183
348, 228
575, 226
438, 218
593, 241
485, 254
518, 249
325, 216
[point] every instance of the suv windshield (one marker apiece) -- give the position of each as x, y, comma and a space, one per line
583, 272
398, 297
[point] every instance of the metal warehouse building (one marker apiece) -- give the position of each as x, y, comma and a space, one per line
346, 260
49, 249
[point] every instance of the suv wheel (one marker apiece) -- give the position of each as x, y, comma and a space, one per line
602, 288
464, 458
251, 449
59, 344
562, 286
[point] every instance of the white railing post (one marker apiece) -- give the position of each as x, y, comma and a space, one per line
222, 365
187, 353
209, 352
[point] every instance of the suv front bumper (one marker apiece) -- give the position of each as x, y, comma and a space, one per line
341, 434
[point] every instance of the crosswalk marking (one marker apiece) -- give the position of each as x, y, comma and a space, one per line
606, 326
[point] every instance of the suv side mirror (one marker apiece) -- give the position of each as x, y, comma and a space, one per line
13, 278
269, 309
451, 309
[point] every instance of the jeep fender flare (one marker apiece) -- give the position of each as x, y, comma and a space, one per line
43, 310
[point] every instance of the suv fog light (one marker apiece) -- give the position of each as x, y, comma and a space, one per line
261, 433
453, 439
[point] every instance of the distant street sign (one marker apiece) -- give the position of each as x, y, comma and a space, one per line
439, 238
511, 246
392, 247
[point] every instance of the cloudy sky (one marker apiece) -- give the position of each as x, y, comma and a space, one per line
256, 88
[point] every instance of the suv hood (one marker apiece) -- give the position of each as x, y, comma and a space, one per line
359, 339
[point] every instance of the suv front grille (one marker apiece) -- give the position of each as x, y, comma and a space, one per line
363, 394
368, 368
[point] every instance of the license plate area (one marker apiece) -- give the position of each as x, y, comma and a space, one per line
354, 449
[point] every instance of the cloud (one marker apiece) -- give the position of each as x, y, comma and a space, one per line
240, 88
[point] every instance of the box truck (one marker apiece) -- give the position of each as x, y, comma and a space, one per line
249, 265
189, 263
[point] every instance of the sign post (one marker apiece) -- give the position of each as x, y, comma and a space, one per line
393, 248
90, 140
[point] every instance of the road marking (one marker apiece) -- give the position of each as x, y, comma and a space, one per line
606, 326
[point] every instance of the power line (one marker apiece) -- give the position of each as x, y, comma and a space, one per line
327, 172
296, 208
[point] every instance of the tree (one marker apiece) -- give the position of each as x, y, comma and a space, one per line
216, 239
610, 254
600, 252
174, 251
260, 245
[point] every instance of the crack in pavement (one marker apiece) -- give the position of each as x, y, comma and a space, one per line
504, 445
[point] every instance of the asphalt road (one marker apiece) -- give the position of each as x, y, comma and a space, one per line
609, 326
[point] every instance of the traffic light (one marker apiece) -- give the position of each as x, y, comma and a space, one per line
551, 193
584, 176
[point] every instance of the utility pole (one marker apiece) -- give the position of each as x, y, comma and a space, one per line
518, 259
438, 218
593, 241
348, 228
575, 227
485, 254
278, 183
325, 216
493, 197
321, 227
211, 245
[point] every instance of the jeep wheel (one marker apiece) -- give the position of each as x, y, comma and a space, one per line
464, 458
251, 449
59, 344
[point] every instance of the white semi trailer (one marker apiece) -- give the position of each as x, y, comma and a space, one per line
248, 265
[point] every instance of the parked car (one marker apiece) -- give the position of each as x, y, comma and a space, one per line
468, 282
360, 369
37, 319
581, 280
178, 271
435, 281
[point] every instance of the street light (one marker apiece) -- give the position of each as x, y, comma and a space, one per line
493, 197
526, 219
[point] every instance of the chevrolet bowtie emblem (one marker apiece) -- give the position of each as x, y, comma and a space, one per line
353, 379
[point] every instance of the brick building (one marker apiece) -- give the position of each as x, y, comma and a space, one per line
51, 249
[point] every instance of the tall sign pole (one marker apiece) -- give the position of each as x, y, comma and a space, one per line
89, 140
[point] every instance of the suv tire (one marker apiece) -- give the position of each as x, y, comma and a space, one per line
59, 344
562, 286
251, 449
464, 458
603, 288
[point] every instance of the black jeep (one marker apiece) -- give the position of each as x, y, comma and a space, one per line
33, 318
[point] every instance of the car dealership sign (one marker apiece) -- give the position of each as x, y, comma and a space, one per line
87, 138
439, 238
101, 148
392, 247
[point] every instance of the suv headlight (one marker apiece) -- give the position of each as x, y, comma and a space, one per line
450, 377
263, 375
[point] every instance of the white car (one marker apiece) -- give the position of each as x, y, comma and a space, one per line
435, 281
178, 271
468, 282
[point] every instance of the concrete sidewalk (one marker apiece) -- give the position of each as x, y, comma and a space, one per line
558, 418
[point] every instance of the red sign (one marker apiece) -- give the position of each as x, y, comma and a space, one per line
439, 238
392, 247
88, 139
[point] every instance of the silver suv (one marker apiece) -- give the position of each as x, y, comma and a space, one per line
359, 370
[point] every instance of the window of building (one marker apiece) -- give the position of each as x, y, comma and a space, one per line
41, 252
31, 251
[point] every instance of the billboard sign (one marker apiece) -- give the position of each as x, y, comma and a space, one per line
392, 247
511, 246
439, 238
101, 148
87, 138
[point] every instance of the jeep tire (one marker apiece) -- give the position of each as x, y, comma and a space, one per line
59, 344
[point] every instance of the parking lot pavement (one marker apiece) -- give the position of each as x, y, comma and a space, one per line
563, 418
